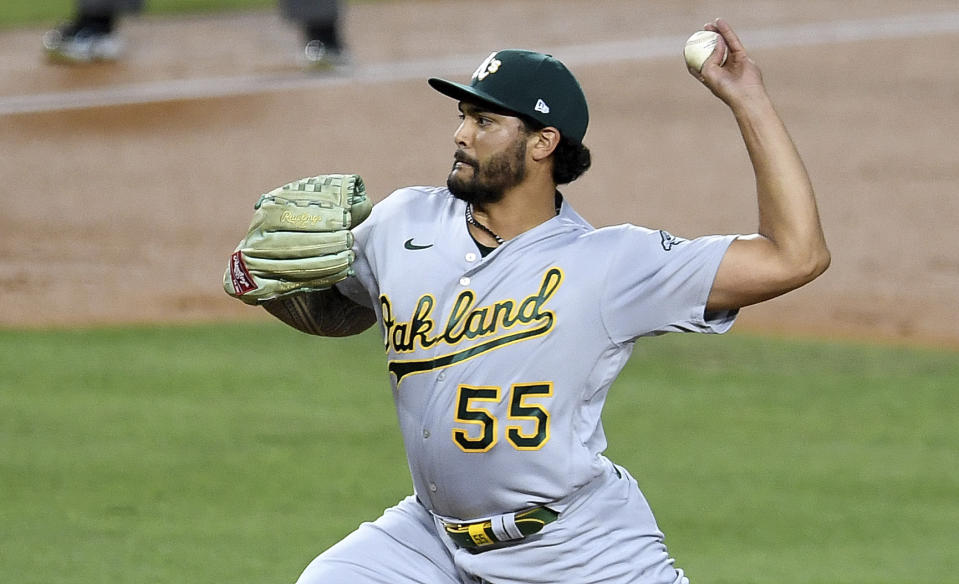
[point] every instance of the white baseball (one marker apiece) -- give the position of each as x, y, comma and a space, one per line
699, 47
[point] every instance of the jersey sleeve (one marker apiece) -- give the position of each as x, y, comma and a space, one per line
361, 287
657, 283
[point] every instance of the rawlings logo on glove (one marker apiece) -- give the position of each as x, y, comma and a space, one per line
242, 281
301, 220
299, 239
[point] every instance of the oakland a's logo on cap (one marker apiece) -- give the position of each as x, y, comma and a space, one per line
535, 85
490, 65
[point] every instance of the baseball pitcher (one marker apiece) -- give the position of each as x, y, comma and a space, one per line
506, 317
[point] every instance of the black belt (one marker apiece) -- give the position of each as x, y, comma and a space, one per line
499, 529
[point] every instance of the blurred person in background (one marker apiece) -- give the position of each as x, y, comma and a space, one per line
91, 35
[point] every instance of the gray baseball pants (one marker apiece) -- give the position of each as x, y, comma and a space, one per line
606, 535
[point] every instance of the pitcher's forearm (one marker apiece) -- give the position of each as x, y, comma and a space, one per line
327, 313
788, 215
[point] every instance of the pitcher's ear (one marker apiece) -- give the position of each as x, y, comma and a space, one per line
545, 143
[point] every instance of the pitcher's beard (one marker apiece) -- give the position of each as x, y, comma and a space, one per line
489, 181
472, 191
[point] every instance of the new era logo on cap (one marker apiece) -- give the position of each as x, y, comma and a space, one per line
533, 85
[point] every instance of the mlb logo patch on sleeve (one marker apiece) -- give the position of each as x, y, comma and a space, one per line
669, 240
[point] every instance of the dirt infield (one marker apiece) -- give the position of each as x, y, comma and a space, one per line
127, 212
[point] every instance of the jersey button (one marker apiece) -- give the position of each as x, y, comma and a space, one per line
464, 281
426, 434
471, 257
432, 487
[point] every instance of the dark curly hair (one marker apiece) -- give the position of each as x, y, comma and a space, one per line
570, 161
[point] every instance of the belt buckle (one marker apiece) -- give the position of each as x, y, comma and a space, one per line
508, 527
471, 535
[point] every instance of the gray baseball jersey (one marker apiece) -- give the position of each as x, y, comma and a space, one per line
500, 365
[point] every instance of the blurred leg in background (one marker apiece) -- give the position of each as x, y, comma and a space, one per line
320, 22
91, 35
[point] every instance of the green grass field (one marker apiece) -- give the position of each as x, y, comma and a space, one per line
238, 452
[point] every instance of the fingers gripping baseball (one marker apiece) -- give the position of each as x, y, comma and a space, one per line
299, 239
728, 71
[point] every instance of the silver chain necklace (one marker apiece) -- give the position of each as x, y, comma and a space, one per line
472, 221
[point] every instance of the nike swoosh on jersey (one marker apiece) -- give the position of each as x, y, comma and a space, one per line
408, 244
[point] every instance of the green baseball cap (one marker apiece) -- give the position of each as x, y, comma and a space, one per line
527, 83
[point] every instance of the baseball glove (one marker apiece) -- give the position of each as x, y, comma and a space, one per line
299, 239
